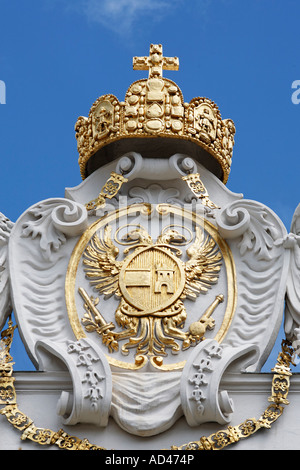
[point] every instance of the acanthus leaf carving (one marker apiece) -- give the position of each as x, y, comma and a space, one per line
249, 220
252, 231
42, 226
52, 221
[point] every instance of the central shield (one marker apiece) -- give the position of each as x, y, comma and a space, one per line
151, 280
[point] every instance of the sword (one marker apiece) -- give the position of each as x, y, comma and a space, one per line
99, 319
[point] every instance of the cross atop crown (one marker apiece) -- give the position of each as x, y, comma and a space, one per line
156, 62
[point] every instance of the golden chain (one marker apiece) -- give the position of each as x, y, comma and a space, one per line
17, 418
280, 390
216, 441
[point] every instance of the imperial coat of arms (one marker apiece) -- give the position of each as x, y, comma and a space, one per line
150, 279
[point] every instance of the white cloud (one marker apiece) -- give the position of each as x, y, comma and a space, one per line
122, 15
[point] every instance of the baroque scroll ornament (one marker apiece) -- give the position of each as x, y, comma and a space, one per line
151, 282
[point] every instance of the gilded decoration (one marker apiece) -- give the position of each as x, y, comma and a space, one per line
216, 441
147, 282
109, 190
155, 107
152, 282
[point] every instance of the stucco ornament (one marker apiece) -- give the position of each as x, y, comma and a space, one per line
5, 301
150, 280
292, 311
158, 292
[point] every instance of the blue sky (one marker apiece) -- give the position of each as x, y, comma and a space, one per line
58, 56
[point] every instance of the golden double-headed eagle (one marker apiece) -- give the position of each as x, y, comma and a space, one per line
151, 283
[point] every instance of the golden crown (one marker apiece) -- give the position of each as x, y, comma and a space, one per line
154, 109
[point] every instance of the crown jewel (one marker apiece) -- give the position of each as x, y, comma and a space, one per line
155, 108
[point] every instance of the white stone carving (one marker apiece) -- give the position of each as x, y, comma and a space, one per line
292, 310
39, 253
147, 402
201, 397
52, 220
143, 172
134, 166
5, 303
70, 218
91, 376
252, 222
252, 231
155, 194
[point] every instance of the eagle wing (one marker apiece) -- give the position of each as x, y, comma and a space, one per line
102, 268
203, 268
